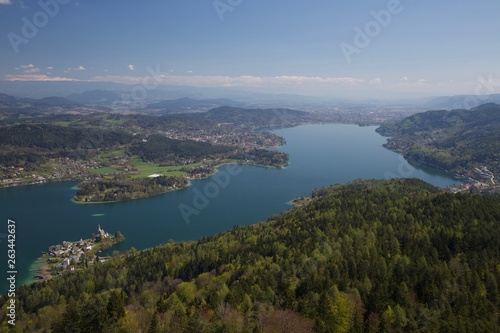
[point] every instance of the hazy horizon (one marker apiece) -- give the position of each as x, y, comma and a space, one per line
369, 49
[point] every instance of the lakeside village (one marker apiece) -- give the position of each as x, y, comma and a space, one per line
65, 168
479, 180
69, 256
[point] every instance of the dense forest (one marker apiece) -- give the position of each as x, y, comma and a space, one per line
30, 145
53, 137
457, 140
122, 188
263, 157
160, 149
370, 256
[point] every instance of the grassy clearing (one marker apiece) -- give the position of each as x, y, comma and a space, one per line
147, 169
62, 123
112, 154
106, 170
115, 122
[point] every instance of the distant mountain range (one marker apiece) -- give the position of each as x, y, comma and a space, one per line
96, 97
461, 101
257, 117
190, 104
92, 93
7, 101
167, 96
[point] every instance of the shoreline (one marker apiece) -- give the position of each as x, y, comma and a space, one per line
115, 201
80, 179
45, 266
217, 166
452, 174
41, 182
43, 272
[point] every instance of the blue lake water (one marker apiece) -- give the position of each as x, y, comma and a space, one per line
320, 155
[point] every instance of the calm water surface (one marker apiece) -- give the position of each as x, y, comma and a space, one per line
320, 155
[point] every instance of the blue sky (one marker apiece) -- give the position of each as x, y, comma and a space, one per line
422, 47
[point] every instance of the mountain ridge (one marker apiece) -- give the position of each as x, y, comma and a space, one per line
458, 141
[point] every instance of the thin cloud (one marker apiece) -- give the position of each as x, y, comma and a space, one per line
79, 68
5, 2
287, 84
30, 68
36, 77
246, 80
313, 79
131, 67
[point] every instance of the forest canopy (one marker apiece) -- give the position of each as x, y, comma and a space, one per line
370, 256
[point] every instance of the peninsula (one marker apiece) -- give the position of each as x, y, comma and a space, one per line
464, 143
122, 157
71, 256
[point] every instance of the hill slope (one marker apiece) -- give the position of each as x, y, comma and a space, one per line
458, 141
375, 256
20, 104
257, 117
461, 101
189, 104
96, 97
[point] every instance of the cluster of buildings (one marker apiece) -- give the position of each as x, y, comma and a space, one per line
70, 168
227, 135
28, 180
485, 173
64, 169
72, 252
480, 180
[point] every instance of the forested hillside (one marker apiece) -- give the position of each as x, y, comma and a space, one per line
30, 145
52, 137
257, 117
456, 141
372, 256
161, 149
12, 103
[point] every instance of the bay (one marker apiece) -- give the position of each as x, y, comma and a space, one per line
320, 155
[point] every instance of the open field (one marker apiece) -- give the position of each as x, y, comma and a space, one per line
106, 170
147, 169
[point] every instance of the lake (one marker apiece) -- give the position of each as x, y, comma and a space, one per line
320, 155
